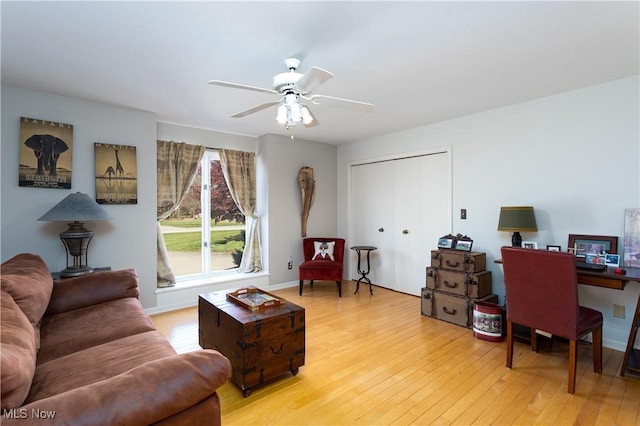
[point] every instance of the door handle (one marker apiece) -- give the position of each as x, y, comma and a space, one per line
405, 231
380, 229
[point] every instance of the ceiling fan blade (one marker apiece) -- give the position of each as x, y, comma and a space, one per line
342, 103
313, 78
241, 86
255, 109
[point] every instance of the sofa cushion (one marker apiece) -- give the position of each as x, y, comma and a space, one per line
27, 279
97, 363
73, 331
17, 353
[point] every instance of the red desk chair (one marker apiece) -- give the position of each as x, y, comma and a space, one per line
322, 263
541, 289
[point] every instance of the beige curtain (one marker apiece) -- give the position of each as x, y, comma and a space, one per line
178, 164
239, 170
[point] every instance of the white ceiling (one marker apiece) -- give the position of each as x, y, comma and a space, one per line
418, 62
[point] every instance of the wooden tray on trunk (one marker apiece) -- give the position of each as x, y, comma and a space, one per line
254, 299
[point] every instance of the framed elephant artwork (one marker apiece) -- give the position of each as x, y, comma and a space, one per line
45, 154
116, 174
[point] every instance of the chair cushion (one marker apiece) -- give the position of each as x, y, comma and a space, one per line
323, 250
588, 320
320, 264
17, 353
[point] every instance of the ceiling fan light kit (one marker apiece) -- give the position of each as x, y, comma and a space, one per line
291, 87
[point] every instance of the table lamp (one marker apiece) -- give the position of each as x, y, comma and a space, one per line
517, 219
76, 209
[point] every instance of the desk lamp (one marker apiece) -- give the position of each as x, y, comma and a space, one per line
517, 219
76, 209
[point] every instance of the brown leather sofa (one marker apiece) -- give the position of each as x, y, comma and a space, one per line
82, 351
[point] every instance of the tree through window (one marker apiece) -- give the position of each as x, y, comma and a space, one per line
205, 235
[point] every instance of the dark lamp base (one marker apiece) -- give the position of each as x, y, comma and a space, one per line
76, 271
516, 239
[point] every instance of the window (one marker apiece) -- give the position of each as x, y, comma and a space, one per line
205, 235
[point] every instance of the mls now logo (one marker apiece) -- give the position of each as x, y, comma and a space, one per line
23, 413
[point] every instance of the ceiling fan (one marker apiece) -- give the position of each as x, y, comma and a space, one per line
292, 87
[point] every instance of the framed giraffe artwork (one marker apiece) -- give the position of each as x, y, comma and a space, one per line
45, 154
116, 174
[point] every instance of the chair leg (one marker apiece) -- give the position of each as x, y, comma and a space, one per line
534, 339
573, 363
339, 288
509, 344
596, 342
301, 281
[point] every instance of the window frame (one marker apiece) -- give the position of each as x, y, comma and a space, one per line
205, 230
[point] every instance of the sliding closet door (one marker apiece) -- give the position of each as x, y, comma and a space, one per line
402, 207
421, 217
372, 218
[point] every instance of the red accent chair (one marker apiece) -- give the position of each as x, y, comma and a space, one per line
330, 270
541, 290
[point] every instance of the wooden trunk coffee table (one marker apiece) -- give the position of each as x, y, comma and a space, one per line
261, 345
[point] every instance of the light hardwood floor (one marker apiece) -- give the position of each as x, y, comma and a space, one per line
375, 360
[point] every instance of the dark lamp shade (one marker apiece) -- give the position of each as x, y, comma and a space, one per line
517, 219
76, 207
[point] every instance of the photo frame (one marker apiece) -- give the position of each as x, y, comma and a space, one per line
116, 174
464, 245
631, 238
581, 245
551, 247
45, 154
447, 242
530, 245
594, 258
612, 260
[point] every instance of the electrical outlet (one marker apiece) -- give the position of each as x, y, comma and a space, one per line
463, 214
618, 311
290, 265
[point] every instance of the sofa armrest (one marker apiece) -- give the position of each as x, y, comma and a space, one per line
74, 293
143, 395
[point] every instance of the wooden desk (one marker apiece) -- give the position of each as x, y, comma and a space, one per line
609, 279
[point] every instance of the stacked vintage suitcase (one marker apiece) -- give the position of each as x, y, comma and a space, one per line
455, 281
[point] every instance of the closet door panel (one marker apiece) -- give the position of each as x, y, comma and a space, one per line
407, 230
423, 210
372, 219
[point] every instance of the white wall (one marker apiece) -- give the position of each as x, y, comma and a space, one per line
283, 158
129, 240
574, 157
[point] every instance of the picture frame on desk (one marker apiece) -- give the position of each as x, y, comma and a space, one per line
594, 258
583, 244
612, 260
530, 245
551, 247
